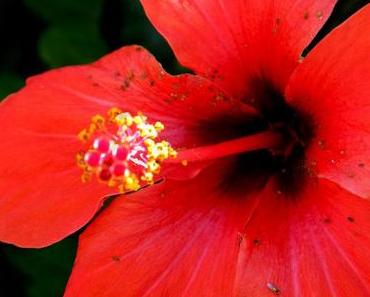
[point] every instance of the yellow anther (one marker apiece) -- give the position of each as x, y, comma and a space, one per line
159, 126
139, 119
98, 121
124, 119
153, 166
147, 130
112, 113
92, 128
85, 177
148, 177
173, 153
132, 183
120, 145
161, 151
80, 159
111, 183
149, 143
84, 135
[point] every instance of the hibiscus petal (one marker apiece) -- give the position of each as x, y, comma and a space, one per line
240, 41
43, 198
332, 86
173, 239
314, 244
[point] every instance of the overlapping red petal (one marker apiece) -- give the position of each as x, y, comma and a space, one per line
314, 244
172, 239
332, 87
237, 42
43, 198
168, 240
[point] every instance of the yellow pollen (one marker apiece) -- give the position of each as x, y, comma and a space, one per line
123, 151
98, 121
113, 113
159, 126
84, 135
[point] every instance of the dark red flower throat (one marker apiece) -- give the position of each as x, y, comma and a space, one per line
281, 133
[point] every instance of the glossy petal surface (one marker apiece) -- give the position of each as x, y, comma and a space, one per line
332, 87
226, 245
43, 198
238, 42
315, 243
173, 239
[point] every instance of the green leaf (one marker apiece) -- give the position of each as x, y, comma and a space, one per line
61, 10
9, 83
71, 43
46, 271
137, 29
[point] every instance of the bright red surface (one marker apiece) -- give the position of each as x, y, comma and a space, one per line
235, 42
43, 198
196, 233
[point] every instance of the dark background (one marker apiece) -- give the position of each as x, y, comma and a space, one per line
37, 35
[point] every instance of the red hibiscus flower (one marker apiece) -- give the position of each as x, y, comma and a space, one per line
250, 179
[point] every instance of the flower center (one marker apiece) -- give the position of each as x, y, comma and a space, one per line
122, 150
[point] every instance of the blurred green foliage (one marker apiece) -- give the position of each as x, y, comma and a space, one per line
62, 11
71, 43
44, 271
9, 82
55, 33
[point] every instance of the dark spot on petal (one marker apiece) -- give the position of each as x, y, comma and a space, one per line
116, 258
213, 74
125, 85
138, 48
273, 288
256, 241
169, 100
350, 219
151, 83
361, 165
95, 84
306, 15
327, 221
276, 26
130, 75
